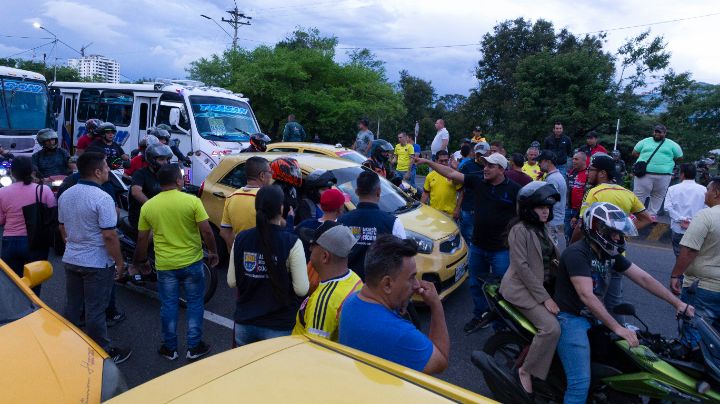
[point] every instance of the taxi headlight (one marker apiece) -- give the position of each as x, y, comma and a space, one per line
113, 381
425, 244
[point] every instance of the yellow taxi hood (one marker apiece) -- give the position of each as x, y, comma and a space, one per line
429, 222
297, 369
44, 360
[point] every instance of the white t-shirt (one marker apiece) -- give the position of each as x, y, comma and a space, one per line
436, 145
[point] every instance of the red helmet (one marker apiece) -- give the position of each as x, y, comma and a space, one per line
287, 170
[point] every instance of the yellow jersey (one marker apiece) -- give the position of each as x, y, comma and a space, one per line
319, 314
533, 171
443, 192
239, 210
622, 197
403, 154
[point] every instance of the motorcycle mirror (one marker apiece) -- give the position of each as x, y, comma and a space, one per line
624, 309
190, 153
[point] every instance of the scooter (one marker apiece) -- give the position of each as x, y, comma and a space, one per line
149, 283
657, 369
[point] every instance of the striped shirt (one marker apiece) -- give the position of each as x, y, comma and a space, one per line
320, 312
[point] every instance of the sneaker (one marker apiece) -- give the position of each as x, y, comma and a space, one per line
119, 355
477, 323
167, 353
114, 319
198, 350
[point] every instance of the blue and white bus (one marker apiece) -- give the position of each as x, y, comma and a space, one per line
210, 122
23, 109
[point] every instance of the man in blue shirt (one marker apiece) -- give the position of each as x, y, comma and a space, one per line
371, 319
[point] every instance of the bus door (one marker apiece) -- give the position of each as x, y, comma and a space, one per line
66, 120
143, 111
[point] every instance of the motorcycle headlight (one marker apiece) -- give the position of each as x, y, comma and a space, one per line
425, 244
5, 181
57, 183
3, 171
113, 382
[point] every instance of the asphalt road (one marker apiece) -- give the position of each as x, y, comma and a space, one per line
141, 330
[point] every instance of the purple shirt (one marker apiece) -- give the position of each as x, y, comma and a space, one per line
13, 198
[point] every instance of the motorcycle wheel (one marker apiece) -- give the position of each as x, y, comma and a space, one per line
211, 281
505, 347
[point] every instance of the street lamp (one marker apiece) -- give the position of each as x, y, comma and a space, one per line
216, 23
55, 42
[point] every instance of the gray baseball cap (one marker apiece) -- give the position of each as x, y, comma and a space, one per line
335, 238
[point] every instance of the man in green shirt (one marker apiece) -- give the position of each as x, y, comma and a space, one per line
293, 132
655, 183
177, 221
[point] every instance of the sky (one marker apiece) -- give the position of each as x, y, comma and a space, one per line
160, 38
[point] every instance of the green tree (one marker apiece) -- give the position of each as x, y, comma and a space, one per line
299, 76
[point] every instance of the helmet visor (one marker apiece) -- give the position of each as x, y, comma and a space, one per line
622, 223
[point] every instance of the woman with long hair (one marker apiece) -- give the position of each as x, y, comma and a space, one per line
16, 251
267, 265
531, 255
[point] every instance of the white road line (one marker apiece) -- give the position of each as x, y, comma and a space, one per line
218, 319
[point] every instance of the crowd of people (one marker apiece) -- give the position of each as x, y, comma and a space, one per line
550, 224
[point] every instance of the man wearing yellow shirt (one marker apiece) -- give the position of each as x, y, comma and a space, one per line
531, 166
239, 210
403, 152
440, 192
320, 312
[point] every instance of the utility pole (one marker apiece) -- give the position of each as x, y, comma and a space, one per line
236, 20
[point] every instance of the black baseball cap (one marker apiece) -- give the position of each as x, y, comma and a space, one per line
603, 162
546, 155
591, 134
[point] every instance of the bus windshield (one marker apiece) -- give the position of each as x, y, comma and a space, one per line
223, 119
23, 104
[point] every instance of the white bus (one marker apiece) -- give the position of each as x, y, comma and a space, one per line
23, 109
210, 122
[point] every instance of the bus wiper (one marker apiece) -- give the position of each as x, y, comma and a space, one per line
243, 132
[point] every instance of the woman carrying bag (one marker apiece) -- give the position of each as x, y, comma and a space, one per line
532, 253
23, 193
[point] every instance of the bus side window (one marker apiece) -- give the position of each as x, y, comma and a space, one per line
68, 110
116, 107
143, 115
89, 105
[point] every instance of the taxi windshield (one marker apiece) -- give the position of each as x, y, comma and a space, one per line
392, 199
223, 119
14, 304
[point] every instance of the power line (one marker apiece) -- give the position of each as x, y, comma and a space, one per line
412, 47
31, 49
23, 37
652, 23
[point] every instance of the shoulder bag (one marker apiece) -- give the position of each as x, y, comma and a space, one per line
40, 222
640, 167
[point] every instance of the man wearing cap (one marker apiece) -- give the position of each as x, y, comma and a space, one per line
556, 227
319, 314
561, 145
600, 177
592, 146
495, 207
367, 221
477, 135
655, 183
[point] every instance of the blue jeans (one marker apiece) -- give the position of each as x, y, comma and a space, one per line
485, 265
574, 351
192, 279
676, 237
569, 214
247, 334
707, 306
466, 225
89, 287
16, 253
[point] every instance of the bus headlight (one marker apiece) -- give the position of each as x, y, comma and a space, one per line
425, 244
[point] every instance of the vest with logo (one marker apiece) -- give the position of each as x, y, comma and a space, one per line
366, 223
257, 302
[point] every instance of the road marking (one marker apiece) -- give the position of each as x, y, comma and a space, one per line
218, 319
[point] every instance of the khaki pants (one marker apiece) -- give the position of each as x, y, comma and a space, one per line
655, 187
542, 349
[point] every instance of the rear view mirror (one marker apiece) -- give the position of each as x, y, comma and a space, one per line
624, 309
36, 273
174, 118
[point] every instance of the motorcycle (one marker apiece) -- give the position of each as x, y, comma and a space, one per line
657, 369
5, 178
149, 284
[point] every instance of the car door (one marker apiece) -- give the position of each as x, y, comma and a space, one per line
215, 192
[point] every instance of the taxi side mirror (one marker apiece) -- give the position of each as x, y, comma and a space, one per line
36, 273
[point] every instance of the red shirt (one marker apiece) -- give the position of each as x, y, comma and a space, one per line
577, 190
136, 163
597, 149
83, 142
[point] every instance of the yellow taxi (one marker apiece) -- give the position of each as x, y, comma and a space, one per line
443, 254
302, 369
43, 357
317, 148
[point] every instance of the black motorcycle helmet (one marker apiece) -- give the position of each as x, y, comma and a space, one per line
534, 194
315, 181
160, 134
379, 148
260, 141
155, 151
105, 127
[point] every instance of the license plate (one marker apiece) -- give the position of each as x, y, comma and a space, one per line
460, 271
